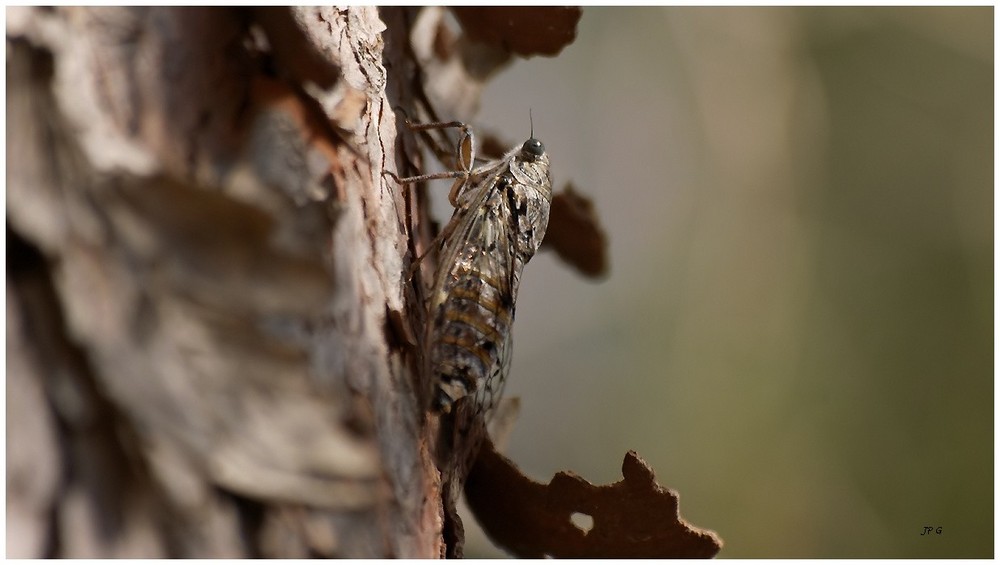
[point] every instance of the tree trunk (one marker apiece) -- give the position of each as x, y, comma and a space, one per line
209, 327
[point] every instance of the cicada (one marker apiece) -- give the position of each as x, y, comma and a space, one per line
501, 213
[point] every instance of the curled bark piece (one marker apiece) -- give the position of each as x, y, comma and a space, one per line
633, 518
576, 233
522, 30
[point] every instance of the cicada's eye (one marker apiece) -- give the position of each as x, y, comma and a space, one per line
533, 147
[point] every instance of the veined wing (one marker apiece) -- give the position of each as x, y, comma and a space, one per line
473, 298
489, 395
466, 229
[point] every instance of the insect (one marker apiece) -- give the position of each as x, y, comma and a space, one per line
501, 213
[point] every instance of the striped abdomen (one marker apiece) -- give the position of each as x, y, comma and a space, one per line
472, 328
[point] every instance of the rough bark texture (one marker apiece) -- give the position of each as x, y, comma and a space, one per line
209, 330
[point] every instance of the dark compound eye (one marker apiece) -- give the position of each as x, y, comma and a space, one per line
533, 147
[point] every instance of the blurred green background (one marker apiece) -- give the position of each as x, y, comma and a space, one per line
797, 328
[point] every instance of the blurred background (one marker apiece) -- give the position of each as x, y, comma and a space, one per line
796, 332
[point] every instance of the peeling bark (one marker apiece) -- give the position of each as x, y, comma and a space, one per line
206, 290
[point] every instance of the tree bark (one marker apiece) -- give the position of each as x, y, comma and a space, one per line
209, 328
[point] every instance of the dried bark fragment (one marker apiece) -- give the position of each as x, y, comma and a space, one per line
576, 234
522, 30
633, 518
